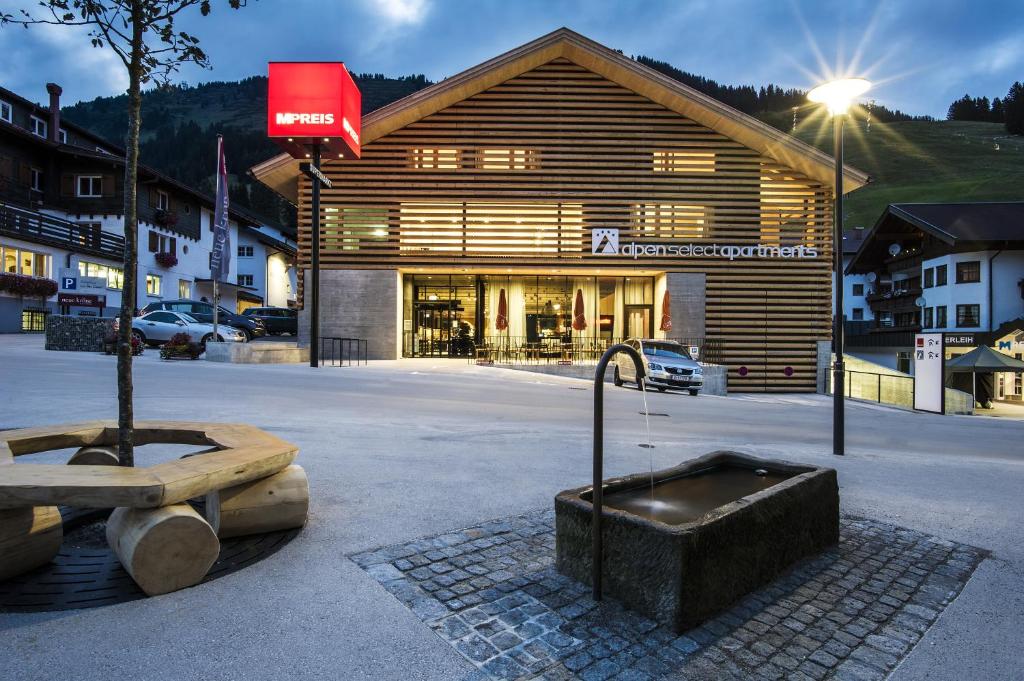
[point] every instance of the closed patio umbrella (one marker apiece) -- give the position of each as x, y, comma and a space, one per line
579, 318
501, 318
666, 312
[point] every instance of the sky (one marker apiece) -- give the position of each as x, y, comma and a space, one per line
921, 54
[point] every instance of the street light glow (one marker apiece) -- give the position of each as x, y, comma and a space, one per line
838, 94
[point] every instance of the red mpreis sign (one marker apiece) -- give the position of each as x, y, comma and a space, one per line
314, 102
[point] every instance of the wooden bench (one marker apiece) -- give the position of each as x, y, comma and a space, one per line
247, 478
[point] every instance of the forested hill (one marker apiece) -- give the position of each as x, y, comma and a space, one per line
180, 125
909, 158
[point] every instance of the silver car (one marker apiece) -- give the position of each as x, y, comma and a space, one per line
158, 327
666, 363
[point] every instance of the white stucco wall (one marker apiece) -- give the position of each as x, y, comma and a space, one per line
1007, 304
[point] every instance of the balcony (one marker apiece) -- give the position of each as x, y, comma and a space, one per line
912, 291
40, 228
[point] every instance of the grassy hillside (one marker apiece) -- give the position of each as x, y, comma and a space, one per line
927, 161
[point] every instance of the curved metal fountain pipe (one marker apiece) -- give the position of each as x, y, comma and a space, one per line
597, 492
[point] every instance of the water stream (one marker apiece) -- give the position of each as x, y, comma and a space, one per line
649, 446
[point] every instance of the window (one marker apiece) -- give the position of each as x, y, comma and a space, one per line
37, 126
89, 186
929, 318
788, 212
508, 159
245, 279
940, 275
968, 272
683, 162
858, 314
21, 261
113, 275
245, 251
968, 315
163, 200
37, 179
435, 159
858, 289
940, 316
184, 288
153, 284
62, 134
928, 278
161, 243
669, 221
6, 112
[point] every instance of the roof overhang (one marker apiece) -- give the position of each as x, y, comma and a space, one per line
281, 172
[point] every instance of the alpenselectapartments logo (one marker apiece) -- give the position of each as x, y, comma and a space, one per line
605, 241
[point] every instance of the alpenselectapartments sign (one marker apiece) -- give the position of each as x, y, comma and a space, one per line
605, 241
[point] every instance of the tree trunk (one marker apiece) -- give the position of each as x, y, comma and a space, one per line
125, 415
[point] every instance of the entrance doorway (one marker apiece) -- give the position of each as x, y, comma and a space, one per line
639, 321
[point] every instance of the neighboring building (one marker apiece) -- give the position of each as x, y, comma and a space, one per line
61, 218
266, 264
564, 170
856, 287
965, 261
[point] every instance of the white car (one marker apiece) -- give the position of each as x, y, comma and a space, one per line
667, 364
158, 327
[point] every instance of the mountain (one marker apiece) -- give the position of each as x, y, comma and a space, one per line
910, 158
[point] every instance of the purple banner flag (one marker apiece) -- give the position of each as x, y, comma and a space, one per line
220, 257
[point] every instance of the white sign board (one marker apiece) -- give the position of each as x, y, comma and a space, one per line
71, 280
929, 372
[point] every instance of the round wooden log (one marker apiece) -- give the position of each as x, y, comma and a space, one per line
29, 537
277, 502
163, 549
94, 456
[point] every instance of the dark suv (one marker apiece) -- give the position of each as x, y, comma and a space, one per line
252, 327
277, 320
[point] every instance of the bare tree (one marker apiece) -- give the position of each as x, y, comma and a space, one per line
143, 36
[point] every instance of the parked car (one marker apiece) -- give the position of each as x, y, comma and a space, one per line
159, 326
667, 364
202, 311
277, 320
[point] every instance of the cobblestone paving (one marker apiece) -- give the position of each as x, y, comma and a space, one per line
854, 612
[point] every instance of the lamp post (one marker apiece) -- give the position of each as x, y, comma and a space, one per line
837, 96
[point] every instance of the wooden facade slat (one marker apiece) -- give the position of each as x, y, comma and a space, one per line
591, 144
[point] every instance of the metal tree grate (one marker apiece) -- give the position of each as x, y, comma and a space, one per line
93, 577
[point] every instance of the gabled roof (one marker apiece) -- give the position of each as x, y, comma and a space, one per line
281, 172
982, 223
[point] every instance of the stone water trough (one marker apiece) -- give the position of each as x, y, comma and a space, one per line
710, 531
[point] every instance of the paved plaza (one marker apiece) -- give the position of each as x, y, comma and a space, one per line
428, 459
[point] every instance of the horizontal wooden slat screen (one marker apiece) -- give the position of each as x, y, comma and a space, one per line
517, 176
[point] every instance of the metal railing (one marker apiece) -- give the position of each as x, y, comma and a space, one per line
343, 351
873, 387
32, 225
584, 351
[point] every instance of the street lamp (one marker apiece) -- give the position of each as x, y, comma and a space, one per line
837, 95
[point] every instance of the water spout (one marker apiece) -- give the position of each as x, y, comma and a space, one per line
597, 492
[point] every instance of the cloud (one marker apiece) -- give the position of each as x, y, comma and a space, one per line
400, 11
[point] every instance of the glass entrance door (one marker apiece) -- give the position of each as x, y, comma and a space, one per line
639, 321
433, 328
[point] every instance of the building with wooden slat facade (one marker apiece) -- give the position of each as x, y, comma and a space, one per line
485, 206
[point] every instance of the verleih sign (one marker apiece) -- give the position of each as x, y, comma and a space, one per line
314, 103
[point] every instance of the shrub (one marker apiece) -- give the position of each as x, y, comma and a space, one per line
24, 285
181, 345
166, 259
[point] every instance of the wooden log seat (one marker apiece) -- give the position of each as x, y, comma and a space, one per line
245, 453
163, 549
94, 456
29, 537
161, 541
278, 502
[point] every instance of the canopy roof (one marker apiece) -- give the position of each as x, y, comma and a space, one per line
984, 358
281, 172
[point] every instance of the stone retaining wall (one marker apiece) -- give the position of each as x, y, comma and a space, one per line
78, 334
